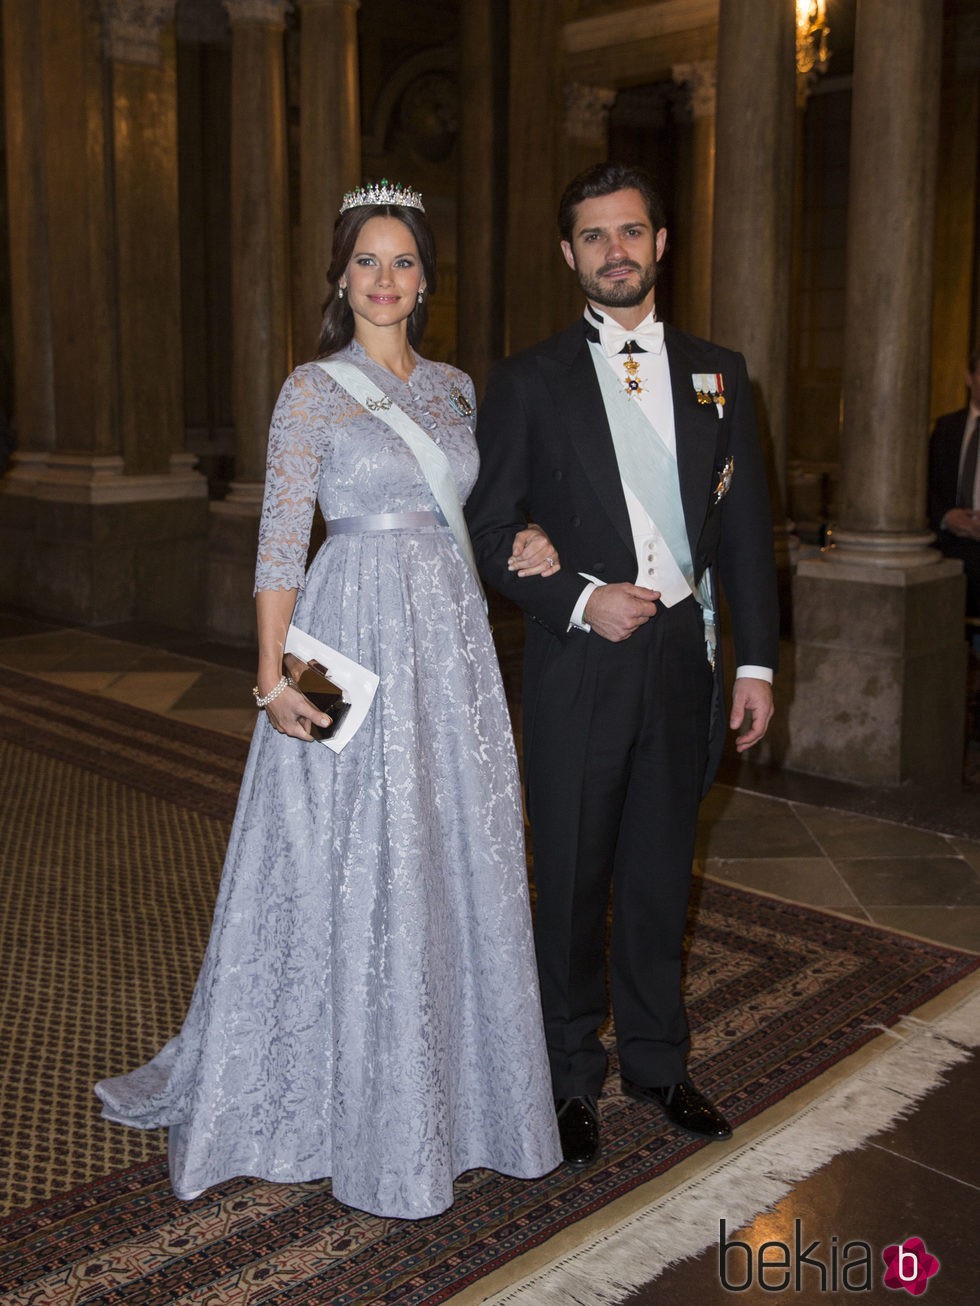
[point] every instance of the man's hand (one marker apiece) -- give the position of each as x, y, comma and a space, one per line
964, 522
616, 611
751, 708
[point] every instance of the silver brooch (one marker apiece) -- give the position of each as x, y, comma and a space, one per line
378, 405
460, 402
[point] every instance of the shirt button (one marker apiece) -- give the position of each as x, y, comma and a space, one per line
576, 521
558, 473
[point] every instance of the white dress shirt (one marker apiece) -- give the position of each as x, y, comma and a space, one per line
657, 569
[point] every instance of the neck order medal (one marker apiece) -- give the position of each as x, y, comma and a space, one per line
631, 367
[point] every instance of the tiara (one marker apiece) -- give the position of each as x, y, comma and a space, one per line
383, 192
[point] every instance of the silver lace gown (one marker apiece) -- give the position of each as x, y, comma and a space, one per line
367, 1008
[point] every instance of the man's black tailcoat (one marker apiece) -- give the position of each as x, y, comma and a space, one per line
945, 446
547, 456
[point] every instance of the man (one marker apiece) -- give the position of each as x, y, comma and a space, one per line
954, 486
644, 468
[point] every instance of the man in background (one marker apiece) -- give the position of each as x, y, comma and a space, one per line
954, 485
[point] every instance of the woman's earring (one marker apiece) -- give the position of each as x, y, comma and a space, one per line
340, 292
421, 296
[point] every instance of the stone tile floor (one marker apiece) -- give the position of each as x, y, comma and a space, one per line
923, 1176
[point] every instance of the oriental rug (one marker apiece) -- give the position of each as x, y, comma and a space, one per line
112, 830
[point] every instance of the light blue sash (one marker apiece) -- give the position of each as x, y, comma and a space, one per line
649, 469
434, 463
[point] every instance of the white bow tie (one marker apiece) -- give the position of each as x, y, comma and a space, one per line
612, 337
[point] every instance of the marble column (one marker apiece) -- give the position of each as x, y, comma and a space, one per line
880, 654
260, 260
695, 200
30, 285
586, 142
330, 151
33, 361
115, 523
586, 125
753, 197
146, 222
534, 264
481, 209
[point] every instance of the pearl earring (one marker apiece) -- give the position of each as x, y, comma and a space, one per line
340, 292
421, 296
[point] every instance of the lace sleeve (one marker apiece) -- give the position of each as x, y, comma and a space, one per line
291, 479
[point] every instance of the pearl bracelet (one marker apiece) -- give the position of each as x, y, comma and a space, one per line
274, 692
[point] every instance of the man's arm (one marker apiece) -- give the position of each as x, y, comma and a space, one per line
506, 496
746, 562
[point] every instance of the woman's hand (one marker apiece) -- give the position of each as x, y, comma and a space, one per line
533, 553
291, 714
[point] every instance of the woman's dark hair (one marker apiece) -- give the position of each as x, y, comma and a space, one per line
606, 179
338, 319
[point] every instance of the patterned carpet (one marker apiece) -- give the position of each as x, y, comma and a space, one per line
112, 829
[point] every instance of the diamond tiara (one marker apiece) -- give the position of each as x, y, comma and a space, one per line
383, 192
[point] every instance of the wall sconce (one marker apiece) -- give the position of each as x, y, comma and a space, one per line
812, 50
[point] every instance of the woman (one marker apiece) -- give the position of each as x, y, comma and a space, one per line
367, 1008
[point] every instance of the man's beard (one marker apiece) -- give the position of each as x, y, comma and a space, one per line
618, 294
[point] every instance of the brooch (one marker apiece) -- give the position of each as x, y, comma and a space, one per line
709, 387
724, 480
460, 402
378, 405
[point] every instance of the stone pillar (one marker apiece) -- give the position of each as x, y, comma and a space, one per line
112, 526
27, 208
481, 201
751, 250
146, 218
586, 125
260, 298
33, 412
586, 142
880, 654
695, 201
330, 151
534, 262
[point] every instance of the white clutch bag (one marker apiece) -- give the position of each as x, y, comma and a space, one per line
357, 686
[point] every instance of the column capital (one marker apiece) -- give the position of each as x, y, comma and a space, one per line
267, 13
587, 112
701, 80
133, 27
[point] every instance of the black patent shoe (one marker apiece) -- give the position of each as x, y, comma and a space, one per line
578, 1129
684, 1107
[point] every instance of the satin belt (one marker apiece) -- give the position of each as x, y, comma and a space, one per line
384, 521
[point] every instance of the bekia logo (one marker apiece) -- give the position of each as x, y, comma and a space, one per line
832, 1267
909, 1266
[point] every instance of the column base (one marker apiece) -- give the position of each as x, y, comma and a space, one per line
83, 543
232, 542
879, 672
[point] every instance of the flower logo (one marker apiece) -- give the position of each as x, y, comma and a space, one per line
909, 1266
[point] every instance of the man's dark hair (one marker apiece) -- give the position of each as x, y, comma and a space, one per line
604, 179
974, 360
